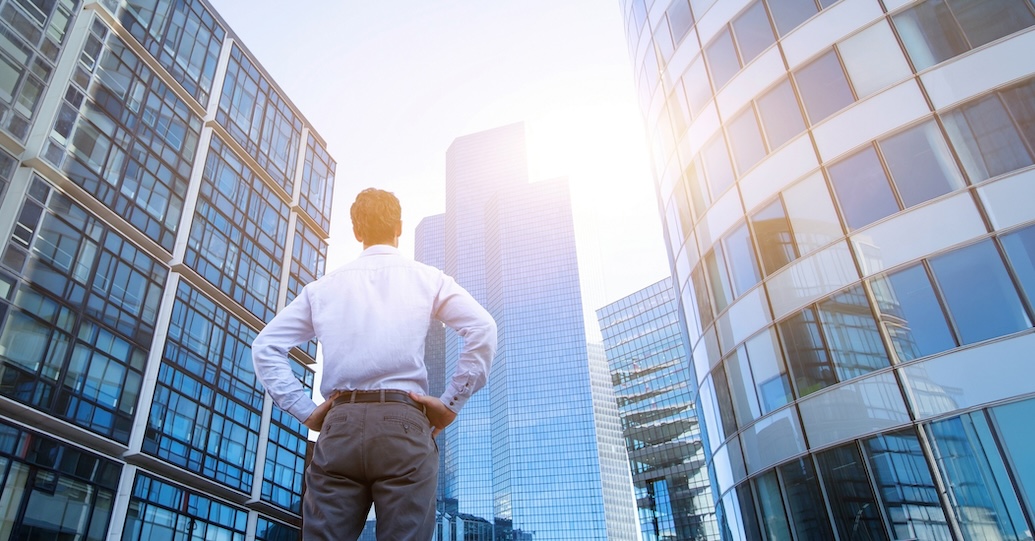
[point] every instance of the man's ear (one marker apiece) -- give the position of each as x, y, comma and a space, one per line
399, 229
356, 234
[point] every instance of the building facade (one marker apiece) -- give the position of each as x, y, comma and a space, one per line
646, 351
845, 187
161, 200
525, 455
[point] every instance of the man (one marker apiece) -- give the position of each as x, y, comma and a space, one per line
376, 443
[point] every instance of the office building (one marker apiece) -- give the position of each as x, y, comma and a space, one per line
646, 351
161, 200
846, 189
525, 455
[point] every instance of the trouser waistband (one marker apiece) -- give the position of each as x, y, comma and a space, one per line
379, 396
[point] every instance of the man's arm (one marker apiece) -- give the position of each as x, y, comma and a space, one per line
291, 327
457, 309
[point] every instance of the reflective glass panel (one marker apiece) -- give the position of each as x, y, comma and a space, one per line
722, 58
742, 388
862, 188
806, 353
906, 487
988, 20
982, 299
808, 511
823, 86
754, 34
717, 166
811, 211
849, 493
1020, 250
852, 336
720, 284
873, 59
986, 139
770, 507
1013, 422
724, 401
746, 139
774, 236
780, 113
771, 381
911, 313
1020, 100
930, 33
680, 19
740, 255
921, 165
974, 474
695, 82
788, 14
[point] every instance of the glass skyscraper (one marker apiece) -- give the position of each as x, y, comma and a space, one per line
525, 453
846, 189
160, 200
646, 351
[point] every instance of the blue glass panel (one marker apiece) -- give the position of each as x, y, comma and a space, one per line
824, 87
862, 188
1013, 422
722, 58
983, 308
1020, 251
770, 505
975, 476
849, 493
808, 512
912, 314
906, 487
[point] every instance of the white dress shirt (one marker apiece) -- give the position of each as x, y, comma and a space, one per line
371, 317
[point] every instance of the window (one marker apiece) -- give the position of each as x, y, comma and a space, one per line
976, 478
873, 59
912, 314
849, 493
978, 291
741, 258
717, 165
746, 140
1013, 422
835, 340
985, 134
906, 487
780, 114
723, 62
789, 14
719, 281
1020, 251
317, 183
774, 236
753, 35
680, 19
920, 165
862, 188
937, 30
695, 81
806, 507
770, 506
823, 86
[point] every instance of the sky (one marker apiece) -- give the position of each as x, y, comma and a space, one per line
390, 84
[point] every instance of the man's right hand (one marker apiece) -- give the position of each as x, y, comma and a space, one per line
437, 412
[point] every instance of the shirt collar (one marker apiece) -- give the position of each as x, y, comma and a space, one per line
380, 249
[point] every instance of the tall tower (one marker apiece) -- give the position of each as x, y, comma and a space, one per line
161, 200
646, 352
846, 189
524, 453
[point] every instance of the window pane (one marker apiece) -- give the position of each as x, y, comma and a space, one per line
823, 87
805, 352
989, 20
984, 501
812, 215
774, 388
781, 116
906, 487
851, 332
770, 505
862, 189
742, 388
1014, 424
849, 493
720, 284
680, 19
911, 313
788, 14
774, 236
741, 258
1020, 100
873, 59
717, 165
754, 34
722, 58
986, 139
930, 33
921, 165
695, 82
807, 509
1020, 250
980, 296
746, 139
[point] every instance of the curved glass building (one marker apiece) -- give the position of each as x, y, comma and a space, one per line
847, 192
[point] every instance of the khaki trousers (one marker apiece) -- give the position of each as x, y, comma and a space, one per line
372, 453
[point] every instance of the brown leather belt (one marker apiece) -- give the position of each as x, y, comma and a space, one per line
377, 397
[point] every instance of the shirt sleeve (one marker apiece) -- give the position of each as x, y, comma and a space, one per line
289, 328
457, 309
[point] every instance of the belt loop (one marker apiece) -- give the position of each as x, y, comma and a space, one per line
352, 400
382, 396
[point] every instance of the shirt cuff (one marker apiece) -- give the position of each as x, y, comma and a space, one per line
456, 396
302, 409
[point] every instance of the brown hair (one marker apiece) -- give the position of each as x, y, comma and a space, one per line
376, 216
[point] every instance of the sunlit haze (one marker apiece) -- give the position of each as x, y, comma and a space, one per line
389, 85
